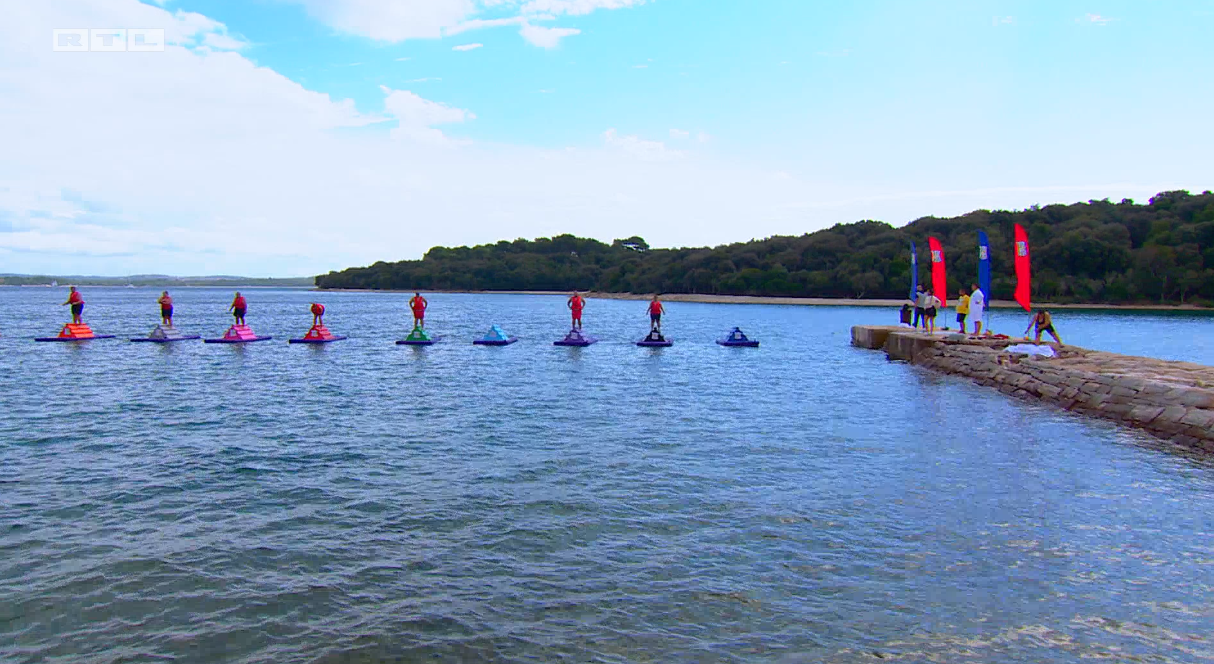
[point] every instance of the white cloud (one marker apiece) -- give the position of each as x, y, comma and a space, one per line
576, 7
546, 91
703, 138
1003, 20
639, 147
842, 53
640, 66
417, 116
466, 47
223, 42
546, 37
1095, 18
391, 21
478, 24
403, 59
679, 133
423, 80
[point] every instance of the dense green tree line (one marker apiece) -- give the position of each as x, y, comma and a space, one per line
1098, 252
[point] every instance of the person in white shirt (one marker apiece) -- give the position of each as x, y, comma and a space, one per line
977, 305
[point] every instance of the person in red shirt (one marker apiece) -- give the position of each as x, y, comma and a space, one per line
655, 315
77, 301
576, 303
166, 309
418, 304
318, 313
239, 306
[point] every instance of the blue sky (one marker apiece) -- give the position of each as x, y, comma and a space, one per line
328, 133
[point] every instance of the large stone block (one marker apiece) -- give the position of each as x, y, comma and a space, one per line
1198, 417
1197, 398
1144, 414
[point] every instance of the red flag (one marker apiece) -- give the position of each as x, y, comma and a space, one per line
939, 284
1024, 283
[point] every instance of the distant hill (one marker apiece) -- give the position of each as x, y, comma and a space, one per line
1094, 252
153, 280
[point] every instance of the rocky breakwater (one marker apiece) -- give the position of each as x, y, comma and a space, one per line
1173, 400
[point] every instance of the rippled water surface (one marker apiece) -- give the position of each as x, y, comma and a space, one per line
363, 502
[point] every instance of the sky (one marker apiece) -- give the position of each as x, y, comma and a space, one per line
295, 137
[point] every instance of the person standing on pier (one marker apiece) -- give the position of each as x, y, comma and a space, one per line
238, 307
166, 309
963, 308
920, 306
576, 303
977, 304
75, 299
1044, 323
929, 313
418, 304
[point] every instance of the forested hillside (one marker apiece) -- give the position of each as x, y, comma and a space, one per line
1098, 252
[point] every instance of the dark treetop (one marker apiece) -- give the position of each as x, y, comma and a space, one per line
1097, 252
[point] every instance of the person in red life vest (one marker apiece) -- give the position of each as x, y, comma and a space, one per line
239, 306
318, 313
418, 304
576, 303
75, 299
655, 315
166, 309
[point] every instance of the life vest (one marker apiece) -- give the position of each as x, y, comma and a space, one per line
318, 309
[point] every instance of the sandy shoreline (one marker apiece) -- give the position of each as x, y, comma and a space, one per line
799, 301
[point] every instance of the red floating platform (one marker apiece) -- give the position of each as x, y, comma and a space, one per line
237, 334
319, 334
75, 332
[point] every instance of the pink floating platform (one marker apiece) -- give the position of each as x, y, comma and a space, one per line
237, 334
319, 334
75, 332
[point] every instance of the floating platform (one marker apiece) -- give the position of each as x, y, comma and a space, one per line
1172, 400
238, 334
655, 340
576, 339
418, 337
164, 334
75, 332
737, 339
318, 334
495, 337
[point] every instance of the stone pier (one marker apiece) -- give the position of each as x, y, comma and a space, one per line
1172, 400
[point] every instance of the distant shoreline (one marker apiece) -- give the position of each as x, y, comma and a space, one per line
798, 301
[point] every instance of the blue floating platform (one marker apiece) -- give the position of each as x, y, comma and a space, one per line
225, 340
495, 337
737, 339
575, 339
418, 342
655, 340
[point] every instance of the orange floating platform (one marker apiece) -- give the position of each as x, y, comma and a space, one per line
237, 334
76, 332
319, 334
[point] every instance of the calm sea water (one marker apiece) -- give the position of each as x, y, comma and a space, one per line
805, 501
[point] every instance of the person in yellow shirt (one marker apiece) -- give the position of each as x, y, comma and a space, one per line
963, 308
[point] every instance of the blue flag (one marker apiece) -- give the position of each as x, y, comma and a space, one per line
914, 272
984, 265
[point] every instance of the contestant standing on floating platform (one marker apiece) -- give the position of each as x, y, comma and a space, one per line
576, 303
318, 313
239, 306
1044, 323
655, 315
166, 309
75, 299
963, 308
418, 304
977, 304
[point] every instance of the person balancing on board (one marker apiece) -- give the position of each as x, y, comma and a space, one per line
576, 303
418, 304
75, 299
166, 309
238, 307
655, 315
